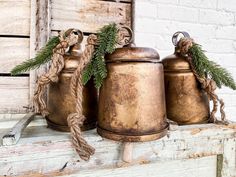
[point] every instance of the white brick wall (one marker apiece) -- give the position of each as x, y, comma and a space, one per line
212, 23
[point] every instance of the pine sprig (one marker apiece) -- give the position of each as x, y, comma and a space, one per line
203, 67
107, 38
42, 57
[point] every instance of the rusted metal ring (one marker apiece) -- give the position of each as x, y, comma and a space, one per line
80, 35
175, 37
76, 32
125, 39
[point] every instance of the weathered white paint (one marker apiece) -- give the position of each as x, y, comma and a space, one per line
12, 119
15, 17
127, 152
200, 167
14, 94
88, 16
14, 134
189, 150
39, 34
13, 52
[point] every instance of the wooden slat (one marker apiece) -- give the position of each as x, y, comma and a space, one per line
14, 94
15, 17
50, 153
88, 15
39, 35
10, 122
129, 1
14, 134
199, 167
13, 52
9, 117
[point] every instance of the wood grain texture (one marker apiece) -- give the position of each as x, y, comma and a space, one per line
14, 134
51, 152
10, 120
88, 15
9, 117
14, 94
15, 17
200, 167
13, 52
39, 35
128, 1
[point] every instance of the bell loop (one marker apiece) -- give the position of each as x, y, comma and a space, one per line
175, 39
125, 36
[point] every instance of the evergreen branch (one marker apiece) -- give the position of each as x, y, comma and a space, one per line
107, 39
203, 67
42, 57
87, 74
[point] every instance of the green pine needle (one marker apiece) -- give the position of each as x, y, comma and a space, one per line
42, 57
205, 67
107, 38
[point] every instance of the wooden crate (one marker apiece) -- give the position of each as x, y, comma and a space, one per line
14, 47
26, 25
190, 151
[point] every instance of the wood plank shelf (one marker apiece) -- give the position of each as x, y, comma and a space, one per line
190, 151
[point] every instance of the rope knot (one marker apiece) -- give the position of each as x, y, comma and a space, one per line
184, 45
92, 39
209, 85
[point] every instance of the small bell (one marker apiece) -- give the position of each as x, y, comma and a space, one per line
61, 102
186, 101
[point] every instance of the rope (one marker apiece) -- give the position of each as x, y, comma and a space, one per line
75, 120
208, 85
52, 74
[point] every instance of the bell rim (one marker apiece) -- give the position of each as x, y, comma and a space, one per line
133, 138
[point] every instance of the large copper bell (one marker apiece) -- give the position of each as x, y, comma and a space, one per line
61, 102
132, 98
186, 102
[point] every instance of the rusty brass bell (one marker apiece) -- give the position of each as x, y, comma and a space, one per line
186, 102
61, 103
132, 98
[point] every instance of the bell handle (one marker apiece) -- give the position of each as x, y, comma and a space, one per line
125, 39
76, 32
80, 35
176, 35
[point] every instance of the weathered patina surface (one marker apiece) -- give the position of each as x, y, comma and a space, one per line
186, 102
132, 98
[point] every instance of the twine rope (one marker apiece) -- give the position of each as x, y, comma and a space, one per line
75, 120
208, 85
52, 75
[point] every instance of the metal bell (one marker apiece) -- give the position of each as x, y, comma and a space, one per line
132, 99
61, 102
186, 102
